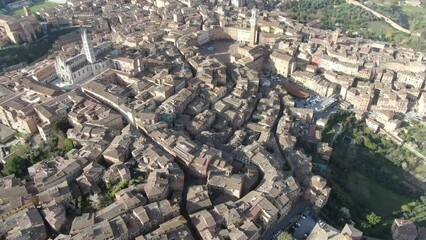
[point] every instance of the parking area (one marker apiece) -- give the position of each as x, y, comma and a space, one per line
283, 224
302, 227
322, 106
310, 102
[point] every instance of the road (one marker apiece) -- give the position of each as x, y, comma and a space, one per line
339, 131
410, 148
284, 223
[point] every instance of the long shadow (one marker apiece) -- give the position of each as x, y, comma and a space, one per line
189, 181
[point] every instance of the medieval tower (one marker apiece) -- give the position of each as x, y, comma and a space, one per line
88, 47
253, 27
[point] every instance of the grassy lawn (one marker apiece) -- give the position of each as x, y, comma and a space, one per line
30, 52
368, 177
369, 193
412, 10
363, 182
35, 8
383, 31
378, 28
420, 169
416, 16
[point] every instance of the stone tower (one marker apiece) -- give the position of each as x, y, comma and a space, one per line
253, 26
88, 47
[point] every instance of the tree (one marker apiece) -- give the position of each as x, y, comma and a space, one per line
35, 155
108, 186
415, 211
345, 213
389, 35
284, 236
52, 143
68, 145
121, 185
373, 219
17, 166
95, 200
60, 128
22, 148
405, 208
80, 202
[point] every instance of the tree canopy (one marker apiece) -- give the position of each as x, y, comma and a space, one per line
68, 145
415, 211
17, 166
373, 219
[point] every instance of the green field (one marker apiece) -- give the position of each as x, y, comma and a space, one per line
366, 177
383, 31
378, 28
364, 182
34, 8
371, 194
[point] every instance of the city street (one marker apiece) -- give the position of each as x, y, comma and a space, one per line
303, 227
